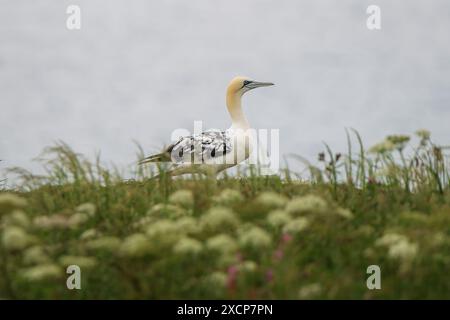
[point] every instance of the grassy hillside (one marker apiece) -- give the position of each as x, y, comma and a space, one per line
250, 236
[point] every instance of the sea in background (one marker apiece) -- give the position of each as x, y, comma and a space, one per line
139, 69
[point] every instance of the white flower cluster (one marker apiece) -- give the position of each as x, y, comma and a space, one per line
14, 224
35, 255
66, 220
222, 243
296, 225
218, 218
254, 237
47, 271
271, 200
306, 204
162, 210
188, 246
15, 237
278, 218
10, 201
309, 291
135, 245
182, 198
228, 197
105, 243
399, 246
82, 261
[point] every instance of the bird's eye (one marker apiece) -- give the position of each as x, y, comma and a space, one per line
246, 82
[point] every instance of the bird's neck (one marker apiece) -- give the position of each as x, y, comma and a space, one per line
234, 106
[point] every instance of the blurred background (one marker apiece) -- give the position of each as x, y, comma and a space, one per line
139, 69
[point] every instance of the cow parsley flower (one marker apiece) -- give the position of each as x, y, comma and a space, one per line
271, 200
296, 225
383, 147
35, 255
104, 243
135, 245
188, 225
399, 246
398, 140
345, 213
56, 221
183, 198
162, 210
77, 219
389, 239
424, 135
403, 250
144, 222
215, 284
10, 201
226, 259
163, 233
87, 208
228, 197
278, 218
47, 271
82, 261
216, 279
309, 291
89, 234
17, 218
217, 218
188, 246
15, 238
255, 237
306, 204
161, 228
221, 243
247, 266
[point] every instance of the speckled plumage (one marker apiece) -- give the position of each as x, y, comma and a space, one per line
214, 150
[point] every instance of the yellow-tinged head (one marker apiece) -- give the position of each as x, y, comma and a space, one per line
237, 87
240, 85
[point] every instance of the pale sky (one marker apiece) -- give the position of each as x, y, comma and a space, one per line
139, 69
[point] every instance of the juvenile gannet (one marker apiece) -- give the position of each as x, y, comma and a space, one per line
214, 150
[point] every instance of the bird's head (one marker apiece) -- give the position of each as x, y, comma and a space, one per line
241, 85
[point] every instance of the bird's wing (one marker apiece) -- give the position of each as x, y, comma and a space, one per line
202, 147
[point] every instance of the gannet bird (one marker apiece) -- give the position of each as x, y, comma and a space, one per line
214, 150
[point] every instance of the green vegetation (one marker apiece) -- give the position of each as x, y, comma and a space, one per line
250, 236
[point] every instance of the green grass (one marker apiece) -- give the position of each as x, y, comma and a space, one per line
247, 236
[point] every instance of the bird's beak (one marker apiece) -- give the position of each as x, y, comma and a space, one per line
256, 84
